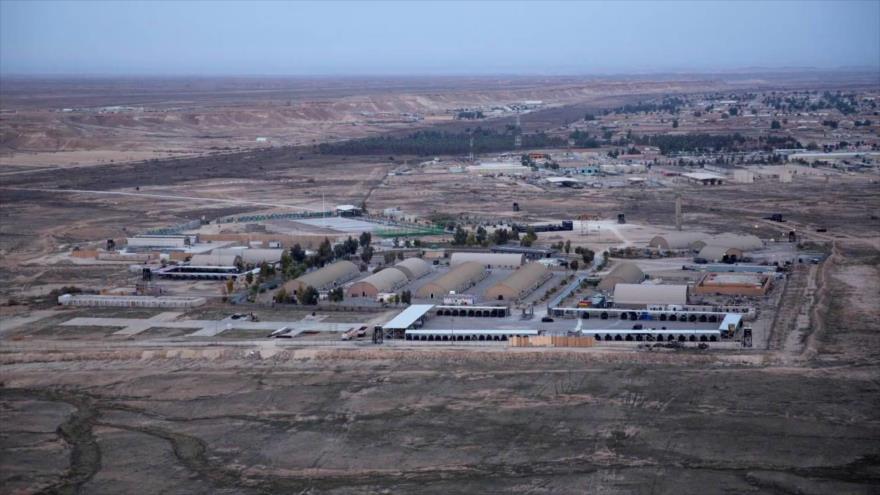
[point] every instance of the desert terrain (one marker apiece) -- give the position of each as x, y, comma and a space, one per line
86, 410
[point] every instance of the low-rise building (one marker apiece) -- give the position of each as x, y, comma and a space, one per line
734, 284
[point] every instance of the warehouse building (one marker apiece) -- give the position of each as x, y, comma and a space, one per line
328, 277
489, 260
623, 273
458, 279
716, 254
387, 280
746, 242
734, 284
520, 283
641, 295
160, 241
679, 240
215, 259
414, 268
130, 301
253, 256
704, 178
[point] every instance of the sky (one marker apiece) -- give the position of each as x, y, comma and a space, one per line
432, 38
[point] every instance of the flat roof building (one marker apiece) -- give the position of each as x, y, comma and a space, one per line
704, 178
734, 284
520, 283
459, 278
214, 259
641, 295
488, 260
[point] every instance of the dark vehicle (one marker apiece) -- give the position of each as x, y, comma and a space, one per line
362, 331
821, 229
638, 326
547, 319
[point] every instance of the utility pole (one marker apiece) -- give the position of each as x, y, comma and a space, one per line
517, 139
677, 211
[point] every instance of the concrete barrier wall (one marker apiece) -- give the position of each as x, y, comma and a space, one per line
552, 341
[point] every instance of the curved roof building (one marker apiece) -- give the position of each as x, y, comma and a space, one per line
746, 242
414, 268
387, 280
215, 259
623, 273
520, 283
253, 256
717, 253
678, 240
461, 277
327, 277
488, 260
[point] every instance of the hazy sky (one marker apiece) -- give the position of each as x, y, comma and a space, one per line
72, 37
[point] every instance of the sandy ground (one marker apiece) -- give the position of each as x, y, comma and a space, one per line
440, 420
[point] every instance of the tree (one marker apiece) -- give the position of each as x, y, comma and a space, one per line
249, 278
281, 296
367, 253
388, 257
481, 235
460, 236
675, 123
230, 286
365, 239
297, 253
500, 236
351, 245
325, 252
339, 251
775, 125
567, 247
336, 295
471, 239
309, 296
573, 265
406, 297
587, 255
529, 238
286, 260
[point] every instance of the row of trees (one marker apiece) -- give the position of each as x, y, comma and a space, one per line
432, 143
669, 143
481, 237
295, 262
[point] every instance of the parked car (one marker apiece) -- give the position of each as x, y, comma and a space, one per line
638, 326
547, 319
